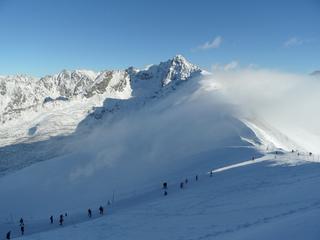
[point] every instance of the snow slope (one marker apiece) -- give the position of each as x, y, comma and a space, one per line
250, 200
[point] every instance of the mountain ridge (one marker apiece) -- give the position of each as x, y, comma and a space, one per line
70, 95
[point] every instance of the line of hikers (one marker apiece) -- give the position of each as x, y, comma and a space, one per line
61, 220
101, 209
8, 235
182, 184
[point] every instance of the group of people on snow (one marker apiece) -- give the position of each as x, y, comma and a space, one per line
8, 235
182, 184
61, 220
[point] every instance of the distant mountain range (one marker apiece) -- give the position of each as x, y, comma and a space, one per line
53, 105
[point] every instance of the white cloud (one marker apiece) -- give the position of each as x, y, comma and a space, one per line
227, 67
232, 65
294, 41
215, 43
287, 102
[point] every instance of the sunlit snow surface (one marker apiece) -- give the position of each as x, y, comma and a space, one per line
170, 123
254, 200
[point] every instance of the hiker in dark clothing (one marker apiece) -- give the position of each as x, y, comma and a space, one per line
8, 236
165, 185
186, 181
61, 220
211, 173
22, 228
89, 213
165, 193
181, 185
21, 220
66, 214
101, 210
197, 178
51, 219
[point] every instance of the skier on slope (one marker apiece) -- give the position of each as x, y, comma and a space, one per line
101, 210
197, 177
165, 193
181, 185
21, 220
51, 219
89, 213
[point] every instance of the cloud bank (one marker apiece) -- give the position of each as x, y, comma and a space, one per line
289, 102
294, 41
215, 43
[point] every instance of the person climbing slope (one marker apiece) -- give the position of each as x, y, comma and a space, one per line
8, 236
165, 185
22, 228
61, 220
101, 210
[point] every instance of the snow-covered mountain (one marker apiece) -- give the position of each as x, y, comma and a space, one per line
34, 109
54, 107
82, 139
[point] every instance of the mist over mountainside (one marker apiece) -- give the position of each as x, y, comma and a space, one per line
26, 102
34, 110
170, 123
42, 118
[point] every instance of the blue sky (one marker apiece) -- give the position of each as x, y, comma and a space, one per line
41, 37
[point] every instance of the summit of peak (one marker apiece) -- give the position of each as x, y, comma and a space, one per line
179, 57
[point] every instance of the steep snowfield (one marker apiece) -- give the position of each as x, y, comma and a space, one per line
270, 137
